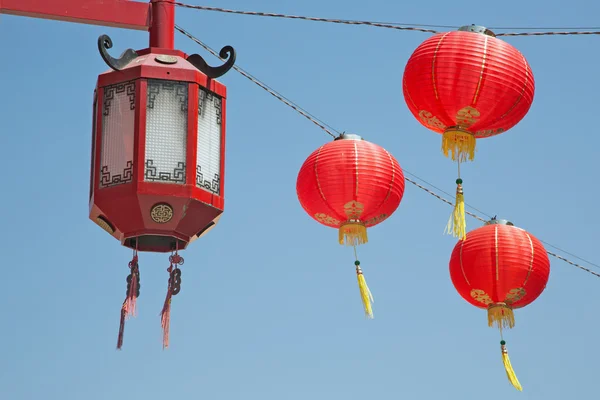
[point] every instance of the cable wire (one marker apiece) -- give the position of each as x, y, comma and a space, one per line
322, 126
315, 19
388, 25
547, 33
275, 94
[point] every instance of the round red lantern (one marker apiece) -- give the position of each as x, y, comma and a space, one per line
500, 267
158, 156
467, 85
351, 184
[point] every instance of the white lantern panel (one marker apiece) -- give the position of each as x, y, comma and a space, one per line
118, 117
166, 131
208, 162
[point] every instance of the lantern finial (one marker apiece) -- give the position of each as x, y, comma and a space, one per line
495, 221
477, 29
105, 43
226, 52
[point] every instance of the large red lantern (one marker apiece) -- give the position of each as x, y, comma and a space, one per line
499, 267
158, 157
467, 85
351, 184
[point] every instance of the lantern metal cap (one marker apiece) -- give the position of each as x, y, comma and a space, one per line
348, 136
495, 221
477, 29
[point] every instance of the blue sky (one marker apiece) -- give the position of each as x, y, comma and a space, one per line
269, 307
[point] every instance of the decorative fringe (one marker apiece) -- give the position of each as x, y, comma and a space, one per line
353, 234
510, 372
501, 315
460, 144
457, 224
174, 287
165, 315
365, 293
165, 319
128, 309
129, 306
121, 327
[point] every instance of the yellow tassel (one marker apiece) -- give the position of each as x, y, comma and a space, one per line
501, 315
510, 372
459, 144
457, 224
353, 234
365, 293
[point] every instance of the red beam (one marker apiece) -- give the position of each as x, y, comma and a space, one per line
114, 13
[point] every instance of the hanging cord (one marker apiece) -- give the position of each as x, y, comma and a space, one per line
173, 288
321, 125
365, 293
546, 33
278, 96
315, 19
388, 25
128, 309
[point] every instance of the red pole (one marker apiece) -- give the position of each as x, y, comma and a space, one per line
162, 26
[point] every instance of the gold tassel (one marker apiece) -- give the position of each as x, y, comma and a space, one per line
501, 315
365, 293
457, 224
460, 144
352, 234
510, 372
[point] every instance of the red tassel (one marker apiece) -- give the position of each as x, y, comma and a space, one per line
130, 300
128, 308
121, 328
172, 290
165, 318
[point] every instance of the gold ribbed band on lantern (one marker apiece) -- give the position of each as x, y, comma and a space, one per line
353, 233
458, 144
501, 315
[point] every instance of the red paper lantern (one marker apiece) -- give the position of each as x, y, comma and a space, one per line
351, 184
158, 157
500, 267
467, 85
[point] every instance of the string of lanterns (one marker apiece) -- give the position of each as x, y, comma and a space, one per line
465, 85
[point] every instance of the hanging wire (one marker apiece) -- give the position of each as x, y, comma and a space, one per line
547, 33
322, 126
315, 19
275, 94
390, 25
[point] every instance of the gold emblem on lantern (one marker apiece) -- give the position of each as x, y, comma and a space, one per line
515, 295
467, 116
353, 209
326, 219
481, 296
161, 213
431, 120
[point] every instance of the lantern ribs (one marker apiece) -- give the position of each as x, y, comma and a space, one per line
124, 14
